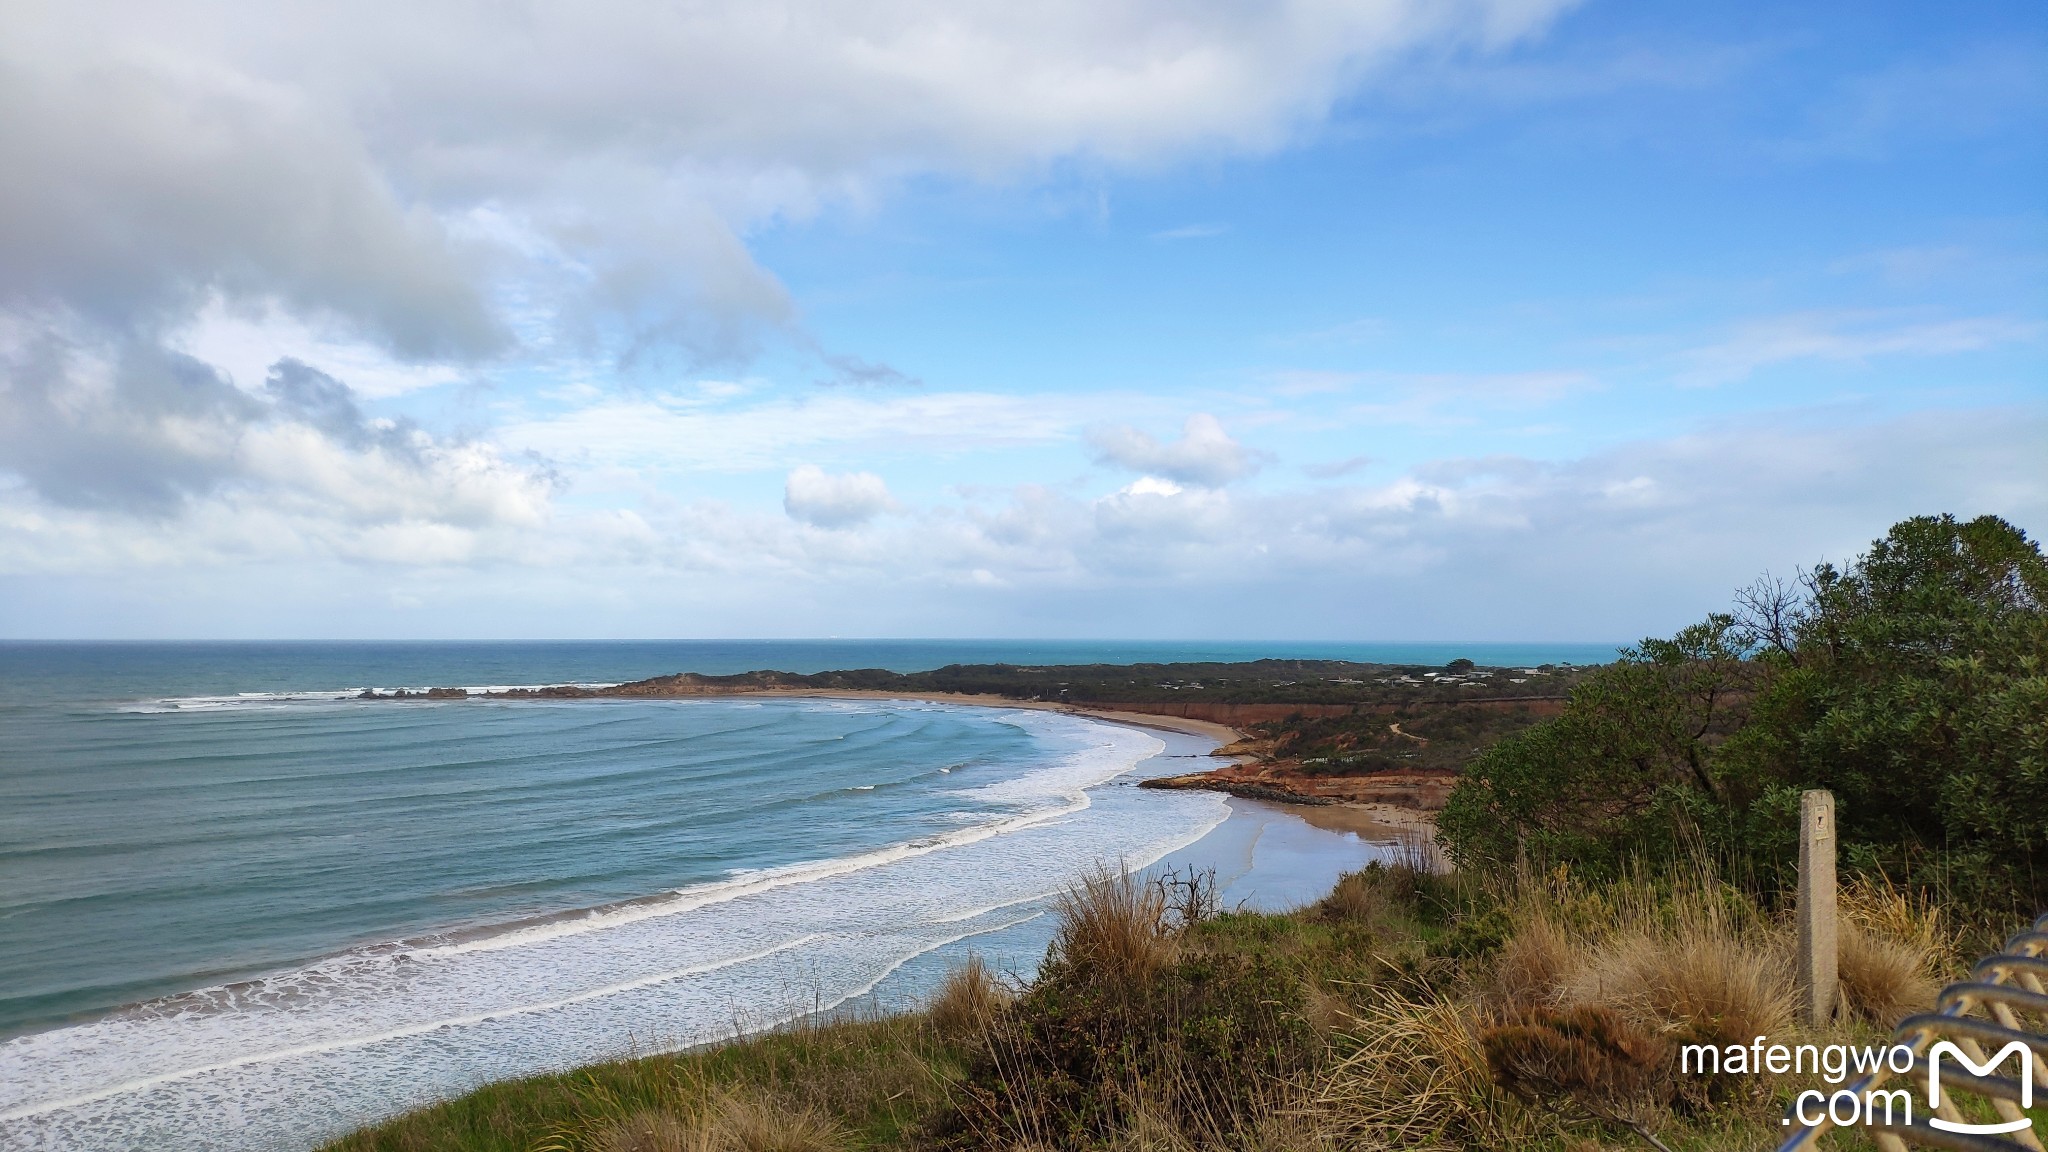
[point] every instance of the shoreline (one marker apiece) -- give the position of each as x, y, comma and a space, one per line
1376, 821
1223, 734
1259, 856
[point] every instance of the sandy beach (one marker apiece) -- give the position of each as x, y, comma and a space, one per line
1222, 734
1375, 822
1380, 823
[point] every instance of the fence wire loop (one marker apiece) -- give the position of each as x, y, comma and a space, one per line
1982, 1014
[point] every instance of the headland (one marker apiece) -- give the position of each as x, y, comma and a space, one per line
1372, 749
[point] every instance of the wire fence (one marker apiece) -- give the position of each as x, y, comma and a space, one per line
1991, 1010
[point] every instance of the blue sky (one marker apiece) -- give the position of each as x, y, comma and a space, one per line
1509, 319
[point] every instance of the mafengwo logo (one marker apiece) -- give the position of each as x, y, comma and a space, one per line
2026, 1079
1847, 1108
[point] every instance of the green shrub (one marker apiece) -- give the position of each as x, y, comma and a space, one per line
1204, 1042
1912, 683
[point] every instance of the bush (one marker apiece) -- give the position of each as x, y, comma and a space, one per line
1124, 1026
1377, 895
1584, 1058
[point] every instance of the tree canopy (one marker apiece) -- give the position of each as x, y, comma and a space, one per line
1912, 682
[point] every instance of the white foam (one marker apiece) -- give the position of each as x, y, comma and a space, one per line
272, 700
295, 1059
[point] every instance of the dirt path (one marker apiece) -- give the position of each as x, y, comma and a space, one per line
1396, 730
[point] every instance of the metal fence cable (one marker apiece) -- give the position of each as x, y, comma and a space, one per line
2002, 987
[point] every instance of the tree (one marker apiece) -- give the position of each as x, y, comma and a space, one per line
1916, 698
1598, 782
1912, 682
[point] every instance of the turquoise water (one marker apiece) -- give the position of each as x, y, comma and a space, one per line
227, 885
153, 851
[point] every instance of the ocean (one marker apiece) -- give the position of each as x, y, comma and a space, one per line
242, 910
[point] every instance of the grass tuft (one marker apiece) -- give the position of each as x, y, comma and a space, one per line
1533, 964
746, 1122
1713, 989
1417, 1078
966, 1000
1882, 978
1112, 928
652, 1131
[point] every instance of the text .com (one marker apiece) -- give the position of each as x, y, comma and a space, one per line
1835, 1063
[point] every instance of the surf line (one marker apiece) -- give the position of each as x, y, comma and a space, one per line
687, 900
402, 1033
719, 892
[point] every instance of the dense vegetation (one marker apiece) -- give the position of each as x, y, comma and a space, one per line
1246, 682
1409, 737
1912, 682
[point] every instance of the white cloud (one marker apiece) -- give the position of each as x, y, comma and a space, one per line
136, 185
132, 457
401, 195
437, 175
244, 344
696, 432
1150, 486
824, 500
1846, 337
1205, 454
1619, 542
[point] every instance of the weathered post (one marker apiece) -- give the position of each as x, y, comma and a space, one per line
1817, 940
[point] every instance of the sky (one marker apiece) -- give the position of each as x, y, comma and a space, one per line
1305, 320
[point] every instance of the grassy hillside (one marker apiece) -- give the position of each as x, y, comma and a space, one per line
1405, 1010
1419, 736
1285, 682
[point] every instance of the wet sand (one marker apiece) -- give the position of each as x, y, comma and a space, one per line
1383, 822
1266, 858
1270, 857
1385, 825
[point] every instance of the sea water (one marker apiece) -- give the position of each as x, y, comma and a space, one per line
241, 909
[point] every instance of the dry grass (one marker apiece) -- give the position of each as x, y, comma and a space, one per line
966, 1000
1709, 987
1150, 1129
1112, 928
1533, 965
1325, 1011
1687, 957
731, 1121
753, 1123
1893, 946
1418, 1080
1880, 907
1882, 978
1279, 1130
652, 1131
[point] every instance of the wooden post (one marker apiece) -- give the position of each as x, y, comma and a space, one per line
1817, 939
